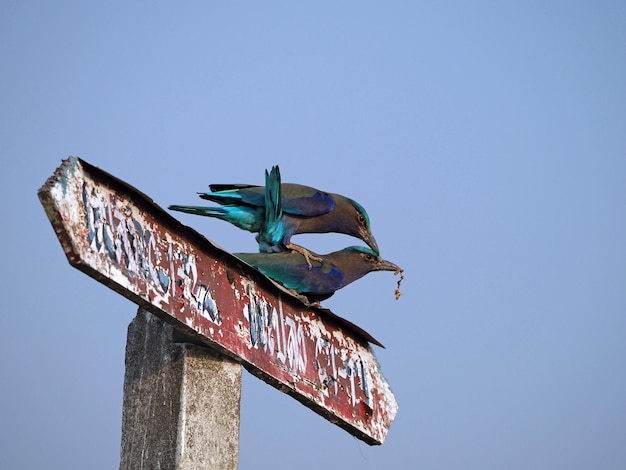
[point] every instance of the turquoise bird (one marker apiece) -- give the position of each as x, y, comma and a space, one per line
277, 211
328, 273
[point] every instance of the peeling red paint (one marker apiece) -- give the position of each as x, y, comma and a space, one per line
117, 235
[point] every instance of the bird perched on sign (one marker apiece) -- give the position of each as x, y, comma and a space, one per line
278, 211
332, 272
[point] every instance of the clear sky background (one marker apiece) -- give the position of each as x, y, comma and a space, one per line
487, 140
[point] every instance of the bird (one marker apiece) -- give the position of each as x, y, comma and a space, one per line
277, 211
334, 270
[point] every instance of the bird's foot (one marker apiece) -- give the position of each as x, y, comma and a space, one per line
302, 298
308, 256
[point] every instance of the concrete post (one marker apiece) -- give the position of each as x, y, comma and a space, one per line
181, 402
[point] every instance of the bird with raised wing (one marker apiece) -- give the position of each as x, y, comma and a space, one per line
278, 211
335, 270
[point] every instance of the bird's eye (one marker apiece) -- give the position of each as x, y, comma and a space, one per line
361, 218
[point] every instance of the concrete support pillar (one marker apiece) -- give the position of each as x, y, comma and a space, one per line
181, 402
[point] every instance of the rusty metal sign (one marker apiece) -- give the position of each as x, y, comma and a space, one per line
119, 236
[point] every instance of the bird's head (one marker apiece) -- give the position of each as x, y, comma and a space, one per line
356, 261
360, 225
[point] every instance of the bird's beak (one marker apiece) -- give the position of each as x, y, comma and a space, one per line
368, 237
384, 265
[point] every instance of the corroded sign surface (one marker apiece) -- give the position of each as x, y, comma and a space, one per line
117, 235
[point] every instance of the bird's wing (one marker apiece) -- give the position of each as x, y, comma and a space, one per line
318, 281
304, 280
291, 270
296, 199
273, 206
305, 201
272, 232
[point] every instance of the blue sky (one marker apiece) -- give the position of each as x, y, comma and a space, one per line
486, 140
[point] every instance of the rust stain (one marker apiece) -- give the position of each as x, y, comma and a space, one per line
120, 237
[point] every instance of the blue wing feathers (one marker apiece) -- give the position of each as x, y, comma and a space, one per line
318, 204
299, 278
292, 199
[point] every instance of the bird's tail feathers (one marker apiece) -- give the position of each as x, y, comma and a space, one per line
215, 188
201, 210
243, 217
225, 197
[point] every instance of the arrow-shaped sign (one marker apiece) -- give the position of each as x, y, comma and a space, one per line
119, 236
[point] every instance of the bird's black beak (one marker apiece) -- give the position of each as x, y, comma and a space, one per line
368, 237
384, 265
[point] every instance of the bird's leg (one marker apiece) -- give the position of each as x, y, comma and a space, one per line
308, 256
